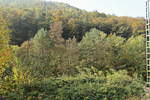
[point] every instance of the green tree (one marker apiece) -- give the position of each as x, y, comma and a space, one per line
94, 51
115, 42
133, 55
35, 55
41, 41
71, 56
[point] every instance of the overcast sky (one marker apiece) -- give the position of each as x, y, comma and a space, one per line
134, 8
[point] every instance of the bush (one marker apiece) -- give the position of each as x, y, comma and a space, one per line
116, 86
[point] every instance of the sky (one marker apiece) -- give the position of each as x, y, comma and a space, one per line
132, 8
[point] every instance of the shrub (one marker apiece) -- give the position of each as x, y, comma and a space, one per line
116, 86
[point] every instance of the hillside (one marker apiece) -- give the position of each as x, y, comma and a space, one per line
53, 51
33, 3
76, 22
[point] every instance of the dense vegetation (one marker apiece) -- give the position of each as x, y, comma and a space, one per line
53, 51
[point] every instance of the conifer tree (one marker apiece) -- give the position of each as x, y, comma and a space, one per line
42, 42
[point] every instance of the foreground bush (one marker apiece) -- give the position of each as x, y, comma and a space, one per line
116, 86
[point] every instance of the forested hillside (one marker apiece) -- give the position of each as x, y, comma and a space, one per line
53, 51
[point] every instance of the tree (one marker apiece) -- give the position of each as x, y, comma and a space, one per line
115, 42
5, 50
24, 25
55, 33
71, 57
41, 41
95, 51
6, 58
133, 55
137, 25
35, 55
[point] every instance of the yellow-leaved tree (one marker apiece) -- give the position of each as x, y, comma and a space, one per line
5, 50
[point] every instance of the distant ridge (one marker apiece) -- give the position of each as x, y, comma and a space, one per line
32, 3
